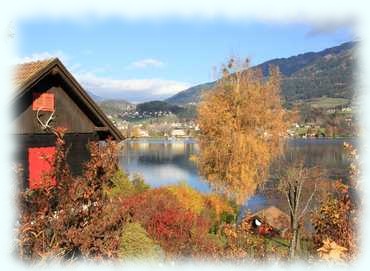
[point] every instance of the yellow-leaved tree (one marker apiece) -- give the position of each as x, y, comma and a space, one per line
242, 124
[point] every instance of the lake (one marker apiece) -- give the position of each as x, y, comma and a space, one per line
163, 162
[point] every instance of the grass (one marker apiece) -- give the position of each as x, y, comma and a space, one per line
327, 102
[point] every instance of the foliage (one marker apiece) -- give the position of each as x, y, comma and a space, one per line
139, 184
136, 244
73, 218
331, 251
215, 208
156, 106
115, 107
241, 127
179, 231
337, 218
103, 214
334, 220
221, 206
122, 186
243, 244
188, 197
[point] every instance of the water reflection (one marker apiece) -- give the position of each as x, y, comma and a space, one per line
164, 162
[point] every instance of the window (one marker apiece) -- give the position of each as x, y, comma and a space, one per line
40, 164
43, 101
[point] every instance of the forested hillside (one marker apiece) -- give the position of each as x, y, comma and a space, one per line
305, 76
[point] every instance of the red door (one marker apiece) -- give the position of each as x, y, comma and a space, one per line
40, 167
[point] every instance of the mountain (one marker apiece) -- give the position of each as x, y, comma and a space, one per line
156, 106
305, 76
115, 107
96, 98
183, 112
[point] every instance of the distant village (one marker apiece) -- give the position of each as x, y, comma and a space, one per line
329, 122
154, 124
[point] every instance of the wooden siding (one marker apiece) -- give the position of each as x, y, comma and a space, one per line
77, 154
68, 113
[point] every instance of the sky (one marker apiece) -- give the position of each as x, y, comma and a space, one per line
152, 60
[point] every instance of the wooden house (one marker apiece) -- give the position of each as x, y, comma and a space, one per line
48, 95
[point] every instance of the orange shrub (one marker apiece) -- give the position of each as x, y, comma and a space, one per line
188, 197
179, 231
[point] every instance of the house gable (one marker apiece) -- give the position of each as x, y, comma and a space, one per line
74, 109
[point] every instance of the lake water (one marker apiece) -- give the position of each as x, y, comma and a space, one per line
163, 162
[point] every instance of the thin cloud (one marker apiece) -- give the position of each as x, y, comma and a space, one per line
330, 27
131, 89
146, 63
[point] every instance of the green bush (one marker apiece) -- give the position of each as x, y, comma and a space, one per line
139, 184
122, 186
228, 218
136, 244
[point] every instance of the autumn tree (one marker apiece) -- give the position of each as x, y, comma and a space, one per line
242, 124
298, 185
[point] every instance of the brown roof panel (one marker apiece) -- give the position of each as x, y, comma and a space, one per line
26, 71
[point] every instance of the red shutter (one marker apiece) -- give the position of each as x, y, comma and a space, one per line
40, 163
43, 101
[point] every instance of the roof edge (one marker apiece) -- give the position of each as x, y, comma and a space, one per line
92, 105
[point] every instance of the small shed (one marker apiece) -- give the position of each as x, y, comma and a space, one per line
46, 92
270, 220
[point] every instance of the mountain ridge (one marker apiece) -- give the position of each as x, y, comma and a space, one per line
328, 72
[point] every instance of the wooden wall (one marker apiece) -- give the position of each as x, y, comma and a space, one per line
77, 150
69, 111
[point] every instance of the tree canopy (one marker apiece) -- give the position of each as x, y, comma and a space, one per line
242, 124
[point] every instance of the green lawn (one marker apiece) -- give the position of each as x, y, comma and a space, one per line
327, 102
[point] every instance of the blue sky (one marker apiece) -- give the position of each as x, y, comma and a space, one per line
147, 60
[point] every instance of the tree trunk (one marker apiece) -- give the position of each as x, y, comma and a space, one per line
293, 242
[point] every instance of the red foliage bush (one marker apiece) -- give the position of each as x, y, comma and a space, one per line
73, 218
180, 232
77, 218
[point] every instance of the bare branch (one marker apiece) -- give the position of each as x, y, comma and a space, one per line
289, 203
308, 202
300, 186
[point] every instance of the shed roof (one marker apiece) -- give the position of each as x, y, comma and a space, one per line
273, 216
28, 74
25, 71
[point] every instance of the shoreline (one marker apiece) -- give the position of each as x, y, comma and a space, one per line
194, 138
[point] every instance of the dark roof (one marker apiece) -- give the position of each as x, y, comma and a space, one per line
28, 74
25, 71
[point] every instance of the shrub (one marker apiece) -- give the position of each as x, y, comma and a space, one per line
221, 207
139, 184
73, 218
334, 220
188, 197
179, 231
136, 244
216, 208
243, 244
122, 186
